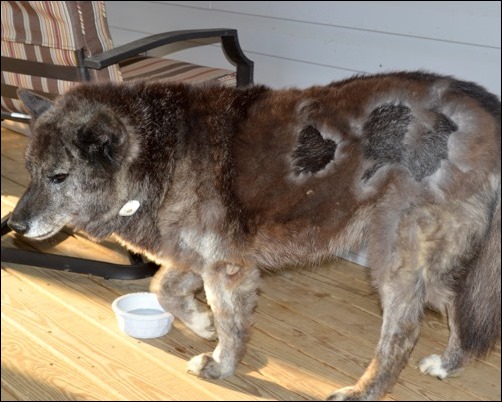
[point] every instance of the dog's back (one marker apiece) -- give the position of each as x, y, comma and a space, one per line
330, 163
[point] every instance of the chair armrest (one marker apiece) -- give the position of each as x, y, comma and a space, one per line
229, 40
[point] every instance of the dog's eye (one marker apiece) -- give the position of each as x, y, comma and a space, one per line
58, 178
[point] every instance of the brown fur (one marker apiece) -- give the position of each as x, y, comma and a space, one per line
232, 181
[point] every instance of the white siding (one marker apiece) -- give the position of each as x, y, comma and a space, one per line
299, 43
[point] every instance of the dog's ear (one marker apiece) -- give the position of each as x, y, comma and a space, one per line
103, 139
35, 104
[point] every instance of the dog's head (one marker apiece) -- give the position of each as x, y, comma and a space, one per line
75, 155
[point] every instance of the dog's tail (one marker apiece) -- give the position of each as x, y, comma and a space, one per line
478, 302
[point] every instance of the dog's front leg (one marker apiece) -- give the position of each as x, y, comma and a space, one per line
231, 291
402, 303
175, 289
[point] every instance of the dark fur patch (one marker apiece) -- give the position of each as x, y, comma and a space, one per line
432, 147
313, 152
385, 130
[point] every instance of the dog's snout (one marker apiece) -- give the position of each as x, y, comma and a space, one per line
18, 227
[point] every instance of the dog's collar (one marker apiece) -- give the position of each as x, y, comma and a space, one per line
129, 208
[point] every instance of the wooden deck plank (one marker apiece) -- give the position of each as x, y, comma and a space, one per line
139, 368
253, 360
55, 380
353, 321
357, 293
286, 373
11, 191
42, 369
98, 359
7, 395
14, 171
315, 331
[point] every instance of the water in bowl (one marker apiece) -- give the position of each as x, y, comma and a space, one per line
145, 311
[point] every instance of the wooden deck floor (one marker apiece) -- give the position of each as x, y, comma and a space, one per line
315, 331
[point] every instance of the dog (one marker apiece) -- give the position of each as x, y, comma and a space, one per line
216, 184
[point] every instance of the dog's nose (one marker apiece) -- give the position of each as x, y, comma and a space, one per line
18, 227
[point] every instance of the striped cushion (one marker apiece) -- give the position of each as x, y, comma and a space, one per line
156, 68
51, 32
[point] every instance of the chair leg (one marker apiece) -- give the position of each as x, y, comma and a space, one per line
138, 268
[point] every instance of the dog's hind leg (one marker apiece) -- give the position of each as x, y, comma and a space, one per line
231, 291
402, 303
474, 314
453, 358
175, 291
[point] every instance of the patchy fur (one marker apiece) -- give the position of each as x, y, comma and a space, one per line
233, 181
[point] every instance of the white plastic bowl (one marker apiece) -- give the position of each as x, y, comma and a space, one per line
140, 315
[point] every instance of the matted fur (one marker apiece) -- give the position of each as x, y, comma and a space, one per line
232, 181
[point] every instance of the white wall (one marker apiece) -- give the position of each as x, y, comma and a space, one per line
299, 43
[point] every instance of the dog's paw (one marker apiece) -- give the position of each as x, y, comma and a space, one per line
206, 367
202, 324
433, 366
347, 394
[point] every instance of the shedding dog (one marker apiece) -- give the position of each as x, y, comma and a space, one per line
228, 182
